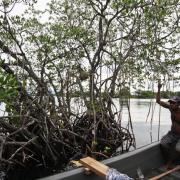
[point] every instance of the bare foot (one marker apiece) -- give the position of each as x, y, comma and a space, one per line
168, 166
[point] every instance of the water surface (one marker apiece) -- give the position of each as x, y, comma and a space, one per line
150, 121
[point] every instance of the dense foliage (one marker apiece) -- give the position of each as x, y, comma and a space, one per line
90, 49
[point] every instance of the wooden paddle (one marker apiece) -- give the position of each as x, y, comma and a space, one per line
165, 173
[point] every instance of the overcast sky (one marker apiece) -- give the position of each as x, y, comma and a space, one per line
19, 8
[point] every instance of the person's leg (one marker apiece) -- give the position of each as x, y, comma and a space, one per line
165, 152
177, 147
167, 149
167, 140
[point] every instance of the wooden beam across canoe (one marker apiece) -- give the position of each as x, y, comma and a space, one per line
95, 166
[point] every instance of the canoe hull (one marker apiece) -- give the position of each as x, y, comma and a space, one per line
145, 158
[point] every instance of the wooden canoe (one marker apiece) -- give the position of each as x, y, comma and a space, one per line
148, 159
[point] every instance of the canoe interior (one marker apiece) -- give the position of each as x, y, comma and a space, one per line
157, 171
149, 159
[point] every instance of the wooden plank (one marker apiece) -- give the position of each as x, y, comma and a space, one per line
165, 173
95, 166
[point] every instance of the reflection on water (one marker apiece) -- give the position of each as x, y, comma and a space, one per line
150, 121
142, 102
145, 109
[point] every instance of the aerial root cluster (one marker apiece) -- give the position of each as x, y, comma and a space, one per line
44, 145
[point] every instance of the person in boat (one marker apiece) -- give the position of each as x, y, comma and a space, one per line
170, 143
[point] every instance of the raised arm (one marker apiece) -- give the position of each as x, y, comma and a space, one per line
158, 98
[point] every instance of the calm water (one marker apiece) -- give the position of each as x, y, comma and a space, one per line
145, 133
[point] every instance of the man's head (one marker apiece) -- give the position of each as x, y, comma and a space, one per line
175, 101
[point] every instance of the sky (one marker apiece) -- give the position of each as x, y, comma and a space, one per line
19, 8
